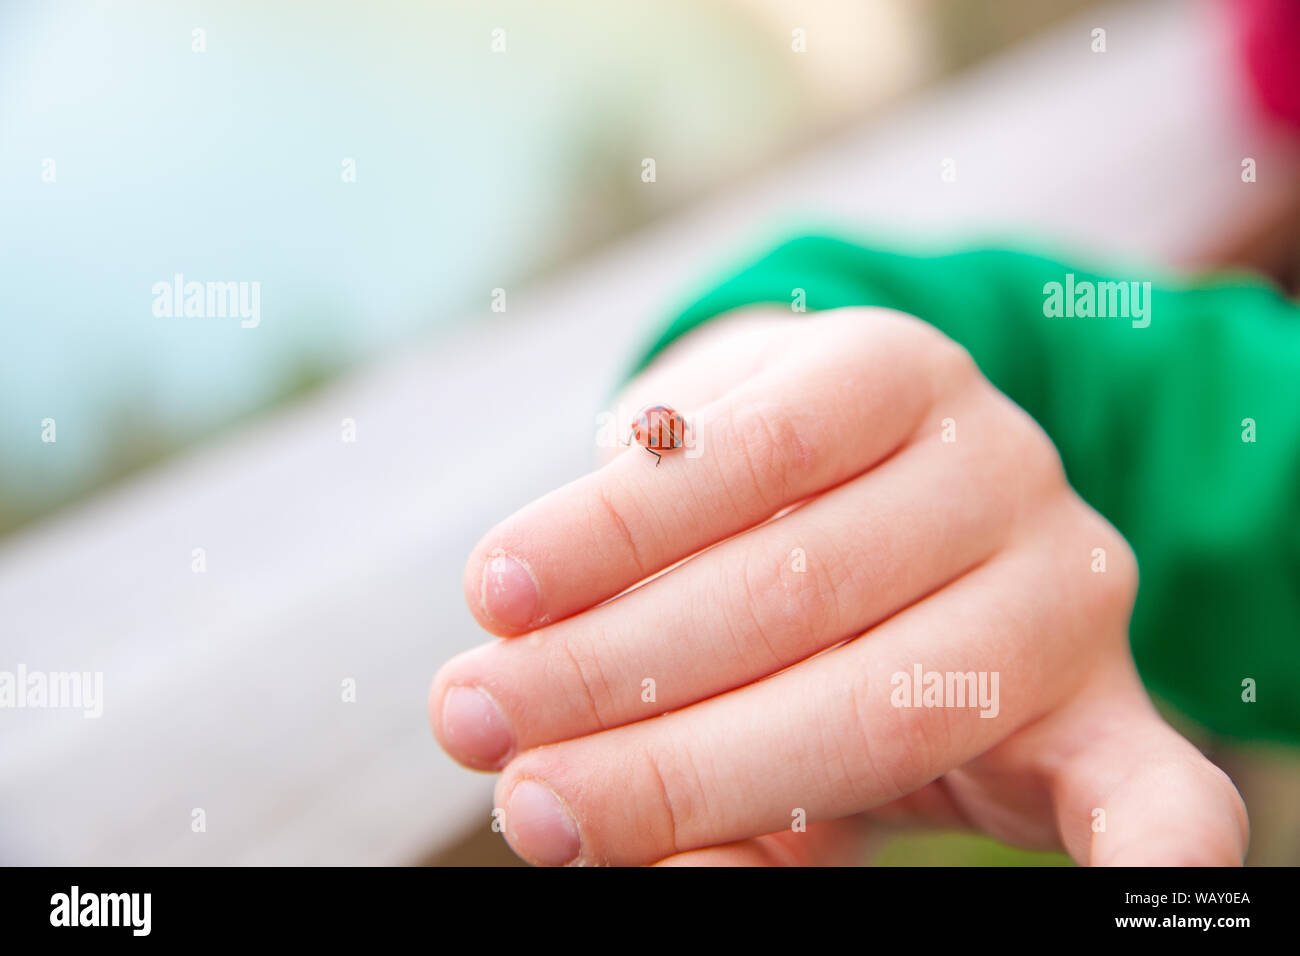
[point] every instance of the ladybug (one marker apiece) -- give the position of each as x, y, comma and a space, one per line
659, 428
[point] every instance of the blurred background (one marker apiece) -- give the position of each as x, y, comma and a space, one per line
444, 209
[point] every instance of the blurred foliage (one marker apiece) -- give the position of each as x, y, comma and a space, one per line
960, 849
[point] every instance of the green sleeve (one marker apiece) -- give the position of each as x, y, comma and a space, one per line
1150, 422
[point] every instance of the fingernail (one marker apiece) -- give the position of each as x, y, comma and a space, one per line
509, 592
541, 828
473, 727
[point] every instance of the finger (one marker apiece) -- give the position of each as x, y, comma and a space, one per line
843, 842
847, 396
831, 736
1139, 794
758, 602
705, 364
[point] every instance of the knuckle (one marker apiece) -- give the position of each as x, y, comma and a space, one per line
923, 734
586, 676
952, 362
941, 365
1116, 588
675, 783
919, 344
948, 362
1033, 452
609, 524
1033, 443
785, 607
771, 450
897, 745
1121, 585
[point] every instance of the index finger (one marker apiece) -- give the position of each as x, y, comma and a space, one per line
850, 393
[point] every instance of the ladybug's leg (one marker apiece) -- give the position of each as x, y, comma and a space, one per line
658, 457
630, 436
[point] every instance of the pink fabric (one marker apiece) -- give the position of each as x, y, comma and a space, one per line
1269, 38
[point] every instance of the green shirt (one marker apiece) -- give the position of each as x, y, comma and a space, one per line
1153, 418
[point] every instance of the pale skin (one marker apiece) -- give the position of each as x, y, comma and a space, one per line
772, 685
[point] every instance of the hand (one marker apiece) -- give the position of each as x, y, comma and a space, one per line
925, 524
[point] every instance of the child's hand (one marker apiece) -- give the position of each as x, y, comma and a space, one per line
935, 533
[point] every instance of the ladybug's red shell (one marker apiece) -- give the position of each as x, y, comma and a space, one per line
660, 428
